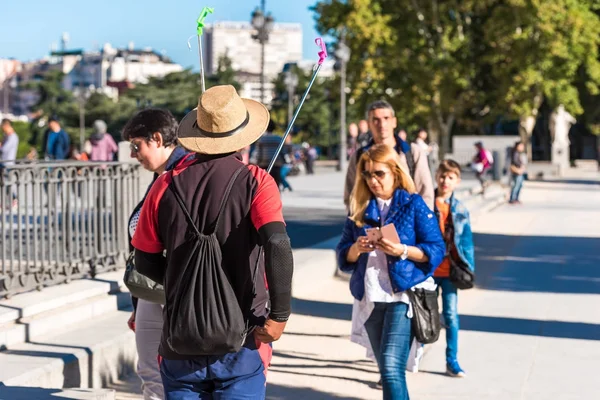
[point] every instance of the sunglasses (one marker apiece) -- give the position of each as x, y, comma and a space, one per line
375, 174
134, 148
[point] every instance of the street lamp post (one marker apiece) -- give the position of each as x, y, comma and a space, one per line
291, 82
263, 23
343, 55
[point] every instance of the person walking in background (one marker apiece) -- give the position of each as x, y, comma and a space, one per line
384, 270
422, 141
518, 167
8, 154
352, 139
58, 143
364, 135
482, 163
455, 225
8, 145
101, 146
152, 137
310, 156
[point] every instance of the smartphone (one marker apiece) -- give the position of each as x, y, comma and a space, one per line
390, 233
373, 235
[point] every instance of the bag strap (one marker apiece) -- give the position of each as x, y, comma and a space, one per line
225, 198
227, 193
183, 208
410, 161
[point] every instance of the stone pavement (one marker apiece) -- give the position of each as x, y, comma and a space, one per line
530, 330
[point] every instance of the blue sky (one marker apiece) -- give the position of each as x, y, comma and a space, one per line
29, 27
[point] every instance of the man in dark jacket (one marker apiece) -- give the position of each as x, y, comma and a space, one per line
58, 142
382, 123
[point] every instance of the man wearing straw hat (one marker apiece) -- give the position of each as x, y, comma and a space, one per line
245, 221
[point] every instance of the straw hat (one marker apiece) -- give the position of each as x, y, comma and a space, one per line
223, 122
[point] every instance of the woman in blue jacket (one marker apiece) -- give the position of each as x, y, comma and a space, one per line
383, 271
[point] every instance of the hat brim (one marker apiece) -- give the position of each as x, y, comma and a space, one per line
191, 138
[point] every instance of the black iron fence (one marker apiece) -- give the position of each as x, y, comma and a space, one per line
62, 221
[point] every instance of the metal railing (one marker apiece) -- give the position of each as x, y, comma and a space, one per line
62, 221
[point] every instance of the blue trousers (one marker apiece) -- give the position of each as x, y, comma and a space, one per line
515, 187
450, 313
389, 332
232, 376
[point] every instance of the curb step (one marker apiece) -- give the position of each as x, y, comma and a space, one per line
30, 316
92, 356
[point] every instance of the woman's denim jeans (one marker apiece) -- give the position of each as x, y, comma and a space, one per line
450, 313
516, 185
389, 332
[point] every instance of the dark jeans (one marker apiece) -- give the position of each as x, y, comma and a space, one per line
232, 376
450, 313
389, 332
516, 184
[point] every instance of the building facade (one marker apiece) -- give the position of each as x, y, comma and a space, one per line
234, 39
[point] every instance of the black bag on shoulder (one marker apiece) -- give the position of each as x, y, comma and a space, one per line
425, 322
461, 275
203, 313
141, 286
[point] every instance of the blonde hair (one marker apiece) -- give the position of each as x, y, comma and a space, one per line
361, 194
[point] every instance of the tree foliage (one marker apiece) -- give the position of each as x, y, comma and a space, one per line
442, 61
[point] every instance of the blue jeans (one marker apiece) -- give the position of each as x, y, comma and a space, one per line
285, 170
515, 187
389, 332
232, 376
450, 313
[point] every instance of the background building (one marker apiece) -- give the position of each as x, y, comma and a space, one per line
234, 39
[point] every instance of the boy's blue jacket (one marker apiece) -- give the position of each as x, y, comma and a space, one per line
463, 236
417, 226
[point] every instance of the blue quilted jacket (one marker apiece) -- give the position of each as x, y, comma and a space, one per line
416, 225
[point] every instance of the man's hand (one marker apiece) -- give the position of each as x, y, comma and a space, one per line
271, 332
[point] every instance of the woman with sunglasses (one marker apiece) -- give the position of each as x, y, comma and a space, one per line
383, 268
152, 136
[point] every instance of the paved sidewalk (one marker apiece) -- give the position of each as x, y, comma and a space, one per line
531, 330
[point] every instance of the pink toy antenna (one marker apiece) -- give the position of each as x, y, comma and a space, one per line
323, 53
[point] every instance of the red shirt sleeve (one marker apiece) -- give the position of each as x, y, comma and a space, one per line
146, 237
266, 204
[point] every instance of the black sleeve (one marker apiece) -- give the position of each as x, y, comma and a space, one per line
279, 268
152, 265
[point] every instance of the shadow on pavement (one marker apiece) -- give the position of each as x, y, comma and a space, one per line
30, 393
518, 326
322, 309
537, 263
280, 392
307, 227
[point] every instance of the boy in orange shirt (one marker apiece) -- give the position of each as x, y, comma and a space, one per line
456, 228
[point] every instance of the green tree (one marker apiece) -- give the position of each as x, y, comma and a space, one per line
538, 49
318, 122
438, 61
417, 55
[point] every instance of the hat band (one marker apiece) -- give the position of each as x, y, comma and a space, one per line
232, 132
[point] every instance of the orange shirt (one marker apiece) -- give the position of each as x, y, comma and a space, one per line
443, 270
